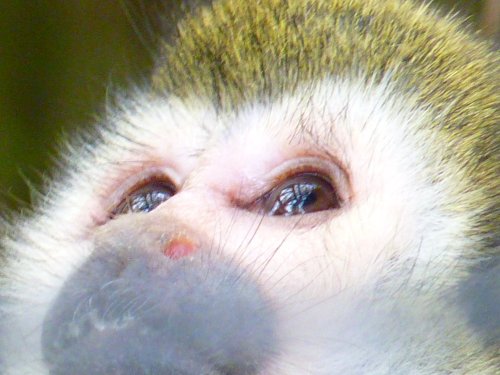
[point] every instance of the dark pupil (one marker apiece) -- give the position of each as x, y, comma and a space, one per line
295, 199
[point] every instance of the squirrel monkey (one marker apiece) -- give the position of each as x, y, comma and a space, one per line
303, 187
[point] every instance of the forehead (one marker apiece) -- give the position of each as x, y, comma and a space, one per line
325, 117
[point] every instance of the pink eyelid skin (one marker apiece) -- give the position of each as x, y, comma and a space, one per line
242, 180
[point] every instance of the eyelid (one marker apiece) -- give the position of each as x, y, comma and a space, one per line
167, 174
329, 170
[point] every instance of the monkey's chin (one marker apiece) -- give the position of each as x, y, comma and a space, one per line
158, 316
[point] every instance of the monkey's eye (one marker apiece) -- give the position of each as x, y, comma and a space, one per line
302, 194
144, 198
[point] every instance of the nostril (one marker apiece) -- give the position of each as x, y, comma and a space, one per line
179, 247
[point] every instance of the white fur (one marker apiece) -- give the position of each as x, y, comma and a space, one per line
397, 216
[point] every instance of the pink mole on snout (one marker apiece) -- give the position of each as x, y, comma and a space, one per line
179, 247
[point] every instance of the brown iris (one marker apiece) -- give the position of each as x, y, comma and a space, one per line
301, 194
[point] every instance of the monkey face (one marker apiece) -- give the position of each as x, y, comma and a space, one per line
255, 248
319, 231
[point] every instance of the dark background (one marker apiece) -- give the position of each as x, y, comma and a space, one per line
58, 60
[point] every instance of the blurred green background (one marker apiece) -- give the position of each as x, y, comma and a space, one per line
58, 59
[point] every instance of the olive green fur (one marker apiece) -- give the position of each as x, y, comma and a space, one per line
238, 51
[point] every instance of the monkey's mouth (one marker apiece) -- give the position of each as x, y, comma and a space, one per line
158, 316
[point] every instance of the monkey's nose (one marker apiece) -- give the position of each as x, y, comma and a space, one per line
132, 312
179, 247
